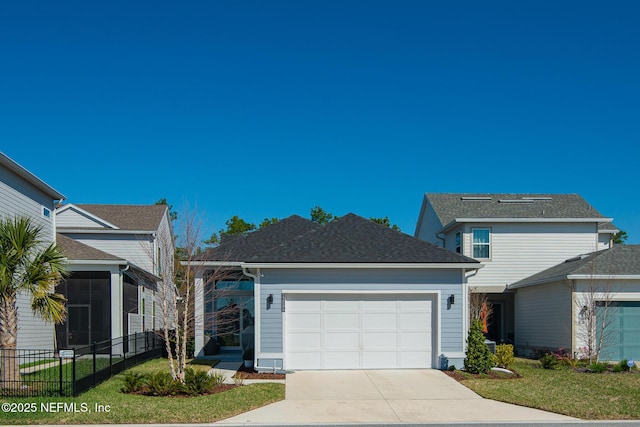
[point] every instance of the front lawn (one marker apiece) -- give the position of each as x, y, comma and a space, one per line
105, 404
605, 396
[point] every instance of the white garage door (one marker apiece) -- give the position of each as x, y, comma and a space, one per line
358, 331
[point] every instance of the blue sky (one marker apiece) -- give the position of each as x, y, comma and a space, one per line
268, 108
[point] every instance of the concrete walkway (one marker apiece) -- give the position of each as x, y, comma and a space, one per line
384, 396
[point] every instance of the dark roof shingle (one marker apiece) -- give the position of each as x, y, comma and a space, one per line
348, 239
128, 217
449, 206
620, 260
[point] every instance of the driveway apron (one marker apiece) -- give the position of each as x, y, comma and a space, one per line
384, 396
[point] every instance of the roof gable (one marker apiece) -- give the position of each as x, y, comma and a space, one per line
348, 239
117, 217
451, 206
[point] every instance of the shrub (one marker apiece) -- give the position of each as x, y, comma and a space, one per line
598, 367
479, 359
217, 377
197, 382
162, 383
549, 361
133, 382
504, 355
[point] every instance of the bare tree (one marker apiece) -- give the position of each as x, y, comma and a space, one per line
594, 322
479, 307
179, 266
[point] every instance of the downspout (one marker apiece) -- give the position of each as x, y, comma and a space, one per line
121, 302
440, 238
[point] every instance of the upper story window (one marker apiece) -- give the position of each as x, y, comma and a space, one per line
482, 243
459, 242
46, 212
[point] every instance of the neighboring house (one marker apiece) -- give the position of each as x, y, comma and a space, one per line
514, 236
552, 307
24, 194
349, 294
116, 254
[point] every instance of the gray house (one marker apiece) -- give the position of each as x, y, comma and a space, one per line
350, 294
552, 307
24, 194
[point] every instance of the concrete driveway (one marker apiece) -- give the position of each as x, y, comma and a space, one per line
384, 396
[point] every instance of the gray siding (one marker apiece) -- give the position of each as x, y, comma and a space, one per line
446, 281
19, 197
543, 317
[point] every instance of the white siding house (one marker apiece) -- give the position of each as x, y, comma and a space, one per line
514, 236
23, 194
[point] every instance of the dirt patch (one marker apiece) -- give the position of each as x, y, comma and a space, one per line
251, 374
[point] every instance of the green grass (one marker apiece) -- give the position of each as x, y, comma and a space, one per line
125, 408
582, 395
37, 363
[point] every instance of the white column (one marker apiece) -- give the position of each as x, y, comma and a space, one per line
199, 314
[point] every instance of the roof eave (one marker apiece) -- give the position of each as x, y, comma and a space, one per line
358, 265
31, 178
457, 221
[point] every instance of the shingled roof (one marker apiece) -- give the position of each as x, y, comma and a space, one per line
74, 250
450, 206
348, 239
620, 260
128, 217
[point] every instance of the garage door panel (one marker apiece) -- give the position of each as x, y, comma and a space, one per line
379, 359
305, 340
305, 360
341, 321
379, 340
341, 305
376, 303
356, 331
414, 321
343, 359
379, 320
341, 340
304, 305
413, 359
304, 321
415, 340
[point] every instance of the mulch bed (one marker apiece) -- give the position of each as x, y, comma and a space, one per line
217, 389
493, 375
251, 374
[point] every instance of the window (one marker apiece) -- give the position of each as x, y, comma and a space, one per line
458, 243
481, 243
46, 212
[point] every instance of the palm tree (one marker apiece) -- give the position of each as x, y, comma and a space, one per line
27, 265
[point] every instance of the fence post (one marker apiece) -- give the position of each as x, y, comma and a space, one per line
73, 374
60, 370
93, 347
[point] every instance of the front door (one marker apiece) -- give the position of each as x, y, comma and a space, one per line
234, 318
78, 325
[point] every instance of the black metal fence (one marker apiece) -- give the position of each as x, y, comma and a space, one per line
26, 373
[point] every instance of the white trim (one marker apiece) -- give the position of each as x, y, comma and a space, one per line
358, 291
456, 221
73, 262
85, 230
438, 265
604, 276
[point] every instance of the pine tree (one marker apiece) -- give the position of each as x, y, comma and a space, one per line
479, 358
